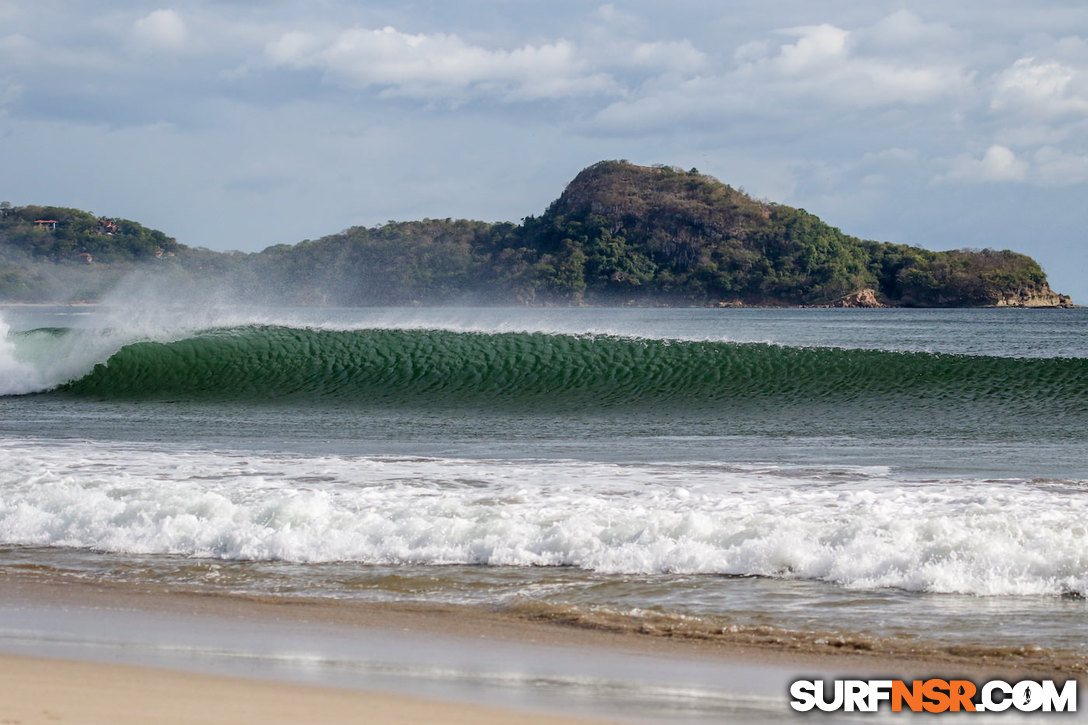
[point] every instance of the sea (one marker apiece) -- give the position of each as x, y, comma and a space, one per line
888, 480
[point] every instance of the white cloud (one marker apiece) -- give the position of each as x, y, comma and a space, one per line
999, 163
752, 51
903, 30
1054, 167
845, 108
1041, 88
700, 101
658, 57
161, 30
818, 47
293, 49
825, 62
440, 64
1047, 166
828, 71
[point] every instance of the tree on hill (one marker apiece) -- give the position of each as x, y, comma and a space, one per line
433, 261
49, 253
59, 234
618, 234
659, 232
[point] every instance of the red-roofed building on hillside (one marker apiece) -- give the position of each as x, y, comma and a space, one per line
45, 223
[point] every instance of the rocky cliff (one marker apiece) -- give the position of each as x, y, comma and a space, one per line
1042, 297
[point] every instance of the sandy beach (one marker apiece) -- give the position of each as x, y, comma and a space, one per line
87, 653
62, 691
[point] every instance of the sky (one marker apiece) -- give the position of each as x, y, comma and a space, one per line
234, 124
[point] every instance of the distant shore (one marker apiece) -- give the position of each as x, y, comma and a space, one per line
632, 305
617, 232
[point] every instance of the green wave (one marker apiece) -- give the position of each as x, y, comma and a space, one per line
538, 371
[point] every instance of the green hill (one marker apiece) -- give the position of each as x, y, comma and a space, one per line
618, 234
49, 253
621, 230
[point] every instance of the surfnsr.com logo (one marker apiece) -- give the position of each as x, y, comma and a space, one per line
933, 695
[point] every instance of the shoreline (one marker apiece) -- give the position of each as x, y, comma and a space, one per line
625, 306
51, 690
256, 649
429, 655
560, 626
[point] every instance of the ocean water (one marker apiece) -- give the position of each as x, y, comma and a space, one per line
890, 480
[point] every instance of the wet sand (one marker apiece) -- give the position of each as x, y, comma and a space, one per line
103, 653
39, 690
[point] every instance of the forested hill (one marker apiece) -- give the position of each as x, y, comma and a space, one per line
663, 231
619, 234
50, 253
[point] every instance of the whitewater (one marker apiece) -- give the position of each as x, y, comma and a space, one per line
883, 474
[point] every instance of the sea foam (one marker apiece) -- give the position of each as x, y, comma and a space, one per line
857, 527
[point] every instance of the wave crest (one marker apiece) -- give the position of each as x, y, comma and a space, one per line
436, 367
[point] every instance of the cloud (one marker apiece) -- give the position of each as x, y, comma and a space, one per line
818, 47
297, 50
998, 164
888, 158
1054, 167
349, 109
823, 74
903, 30
442, 65
610, 14
1041, 88
894, 154
831, 63
161, 30
751, 52
656, 57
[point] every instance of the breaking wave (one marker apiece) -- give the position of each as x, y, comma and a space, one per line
513, 369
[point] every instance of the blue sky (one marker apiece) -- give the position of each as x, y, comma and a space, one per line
237, 125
